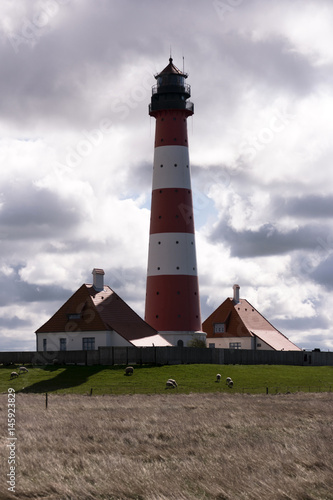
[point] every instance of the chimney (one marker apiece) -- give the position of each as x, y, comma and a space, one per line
98, 282
236, 293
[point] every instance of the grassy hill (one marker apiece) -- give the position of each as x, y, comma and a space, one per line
146, 379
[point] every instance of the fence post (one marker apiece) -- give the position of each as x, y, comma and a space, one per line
266, 390
46, 400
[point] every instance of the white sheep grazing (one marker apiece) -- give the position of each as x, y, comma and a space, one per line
13, 375
23, 369
129, 370
171, 383
228, 380
218, 377
230, 384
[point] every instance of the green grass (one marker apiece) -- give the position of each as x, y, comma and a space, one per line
147, 379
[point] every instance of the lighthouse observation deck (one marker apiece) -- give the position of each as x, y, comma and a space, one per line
158, 105
171, 91
183, 87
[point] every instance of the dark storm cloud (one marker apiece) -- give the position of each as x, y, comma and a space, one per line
275, 64
16, 341
305, 207
142, 173
28, 212
323, 273
298, 323
118, 277
51, 79
46, 68
13, 323
268, 240
14, 290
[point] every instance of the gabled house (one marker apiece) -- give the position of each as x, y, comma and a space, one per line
236, 324
95, 316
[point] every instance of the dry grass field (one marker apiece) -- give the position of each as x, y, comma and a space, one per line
172, 446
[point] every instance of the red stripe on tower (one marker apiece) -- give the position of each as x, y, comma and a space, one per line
172, 295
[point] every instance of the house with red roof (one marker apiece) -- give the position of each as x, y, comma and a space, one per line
236, 324
95, 316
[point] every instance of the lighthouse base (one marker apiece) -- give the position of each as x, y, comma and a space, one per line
183, 338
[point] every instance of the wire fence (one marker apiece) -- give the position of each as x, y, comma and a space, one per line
118, 391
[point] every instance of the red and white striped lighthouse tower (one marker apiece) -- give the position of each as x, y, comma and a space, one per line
172, 295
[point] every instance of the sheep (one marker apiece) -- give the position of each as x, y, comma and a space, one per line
230, 384
13, 375
228, 380
218, 377
171, 383
23, 369
129, 370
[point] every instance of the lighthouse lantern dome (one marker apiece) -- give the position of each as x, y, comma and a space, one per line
170, 91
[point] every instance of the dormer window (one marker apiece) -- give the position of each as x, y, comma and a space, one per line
219, 327
74, 316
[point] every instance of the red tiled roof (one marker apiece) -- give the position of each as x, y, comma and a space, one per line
227, 314
99, 311
171, 69
243, 320
277, 342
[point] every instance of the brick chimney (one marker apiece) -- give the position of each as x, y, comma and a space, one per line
236, 293
98, 282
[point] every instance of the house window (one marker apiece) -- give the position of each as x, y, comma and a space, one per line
211, 346
234, 345
88, 343
219, 328
180, 343
74, 316
63, 344
44, 345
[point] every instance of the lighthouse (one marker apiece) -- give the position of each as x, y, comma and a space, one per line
172, 292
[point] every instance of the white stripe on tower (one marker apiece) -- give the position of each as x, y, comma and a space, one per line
172, 296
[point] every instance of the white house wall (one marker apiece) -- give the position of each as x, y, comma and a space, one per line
186, 337
74, 340
224, 342
246, 343
262, 346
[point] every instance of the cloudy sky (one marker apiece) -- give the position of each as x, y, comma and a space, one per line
76, 150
